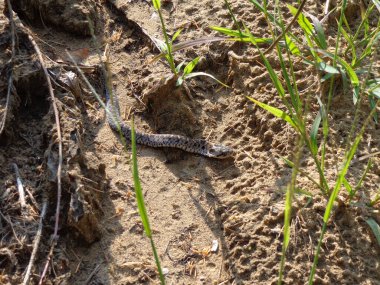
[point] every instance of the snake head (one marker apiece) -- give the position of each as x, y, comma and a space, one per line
219, 151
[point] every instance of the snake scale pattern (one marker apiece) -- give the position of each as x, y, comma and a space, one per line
198, 146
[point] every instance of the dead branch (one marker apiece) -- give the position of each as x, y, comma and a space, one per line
10, 76
36, 243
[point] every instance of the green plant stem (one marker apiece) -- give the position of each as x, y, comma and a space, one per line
168, 43
234, 18
288, 208
332, 81
316, 255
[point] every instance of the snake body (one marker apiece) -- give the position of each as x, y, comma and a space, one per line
198, 146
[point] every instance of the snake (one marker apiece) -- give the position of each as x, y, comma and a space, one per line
196, 146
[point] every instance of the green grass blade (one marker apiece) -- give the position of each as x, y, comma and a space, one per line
375, 200
136, 181
262, 9
140, 202
233, 17
364, 175
374, 87
286, 231
276, 81
288, 209
320, 33
377, 3
292, 46
304, 23
351, 45
354, 79
348, 186
275, 112
156, 4
190, 43
323, 66
237, 36
296, 104
291, 164
195, 74
314, 133
341, 177
177, 33
375, 229
350, 71
228, 32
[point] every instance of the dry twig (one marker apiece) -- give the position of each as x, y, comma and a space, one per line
20, 188
36, 242
92, 274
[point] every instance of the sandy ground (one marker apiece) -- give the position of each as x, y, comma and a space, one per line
192, 201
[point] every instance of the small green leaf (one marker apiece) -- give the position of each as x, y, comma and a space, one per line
156, 4
375, 229
190, 66
304, 23
275, 112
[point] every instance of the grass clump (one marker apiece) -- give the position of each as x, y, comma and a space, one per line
167, 49
349, 64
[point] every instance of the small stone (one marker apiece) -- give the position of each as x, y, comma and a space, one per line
215, 245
